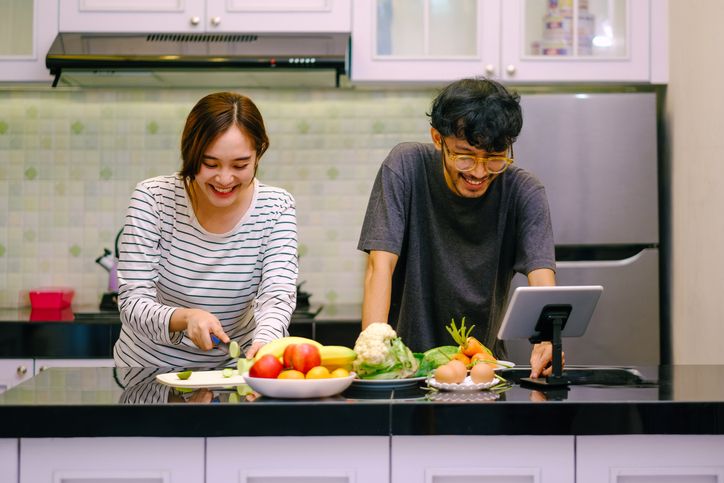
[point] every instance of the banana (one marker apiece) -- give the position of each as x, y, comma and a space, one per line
276, 347
334, 356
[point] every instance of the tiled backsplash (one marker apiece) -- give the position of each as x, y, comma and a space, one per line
70, 159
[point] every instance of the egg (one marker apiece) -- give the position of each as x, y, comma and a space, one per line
445, 374
460, 370
482, 373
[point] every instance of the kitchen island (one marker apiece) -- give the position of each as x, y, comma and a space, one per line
659, 421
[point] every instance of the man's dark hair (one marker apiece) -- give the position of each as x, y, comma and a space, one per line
479, 110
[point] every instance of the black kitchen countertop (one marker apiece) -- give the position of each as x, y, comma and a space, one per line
96, 402
86, 332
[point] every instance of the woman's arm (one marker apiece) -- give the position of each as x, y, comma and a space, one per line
277, 292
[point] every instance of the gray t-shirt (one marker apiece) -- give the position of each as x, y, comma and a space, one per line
457, 255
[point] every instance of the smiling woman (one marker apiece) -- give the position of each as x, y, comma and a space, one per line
209, 250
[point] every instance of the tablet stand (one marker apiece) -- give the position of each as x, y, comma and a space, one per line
550, 324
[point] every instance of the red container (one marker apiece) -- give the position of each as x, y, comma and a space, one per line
51, 297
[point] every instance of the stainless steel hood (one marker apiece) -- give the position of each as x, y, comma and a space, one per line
198, 60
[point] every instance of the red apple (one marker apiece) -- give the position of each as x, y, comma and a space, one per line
287, 357
304, 357
267, 366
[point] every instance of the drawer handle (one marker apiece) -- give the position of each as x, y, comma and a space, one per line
22, 370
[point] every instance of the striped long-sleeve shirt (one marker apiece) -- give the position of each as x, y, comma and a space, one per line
246, 277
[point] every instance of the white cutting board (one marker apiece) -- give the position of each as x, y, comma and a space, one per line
201, 379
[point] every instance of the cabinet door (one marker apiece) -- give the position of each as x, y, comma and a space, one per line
9, 460
43, 364
14, 371
286, 16
483, 459
612, 43
424, 40
650, 459
132, 16
112, 460
27, 28
338, 459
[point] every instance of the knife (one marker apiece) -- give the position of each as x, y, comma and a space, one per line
224, 346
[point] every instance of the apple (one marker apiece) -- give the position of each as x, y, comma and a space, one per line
267, 366
304, 356
287, 357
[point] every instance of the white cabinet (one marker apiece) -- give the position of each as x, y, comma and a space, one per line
14, 371
112, 460
338, 459
650, 459
424, 40
43, 364
483, 459
204, 16
516, 41
612, 43
27, 28
9, 460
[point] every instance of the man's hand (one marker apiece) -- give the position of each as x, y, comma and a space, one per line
200, 324
541, 360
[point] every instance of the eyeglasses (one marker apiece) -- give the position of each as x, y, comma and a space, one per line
494, 164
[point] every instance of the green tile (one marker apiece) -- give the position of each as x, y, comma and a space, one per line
31, 173
77, 127
75, 251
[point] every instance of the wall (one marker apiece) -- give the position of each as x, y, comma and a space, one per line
70, 159
695, 110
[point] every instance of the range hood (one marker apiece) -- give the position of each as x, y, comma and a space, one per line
197, 60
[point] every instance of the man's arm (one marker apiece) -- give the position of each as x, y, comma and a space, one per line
542, 354
542, 277
378, 287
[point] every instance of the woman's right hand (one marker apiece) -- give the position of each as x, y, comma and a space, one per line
199, 325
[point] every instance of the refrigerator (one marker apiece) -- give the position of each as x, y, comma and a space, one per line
596, 154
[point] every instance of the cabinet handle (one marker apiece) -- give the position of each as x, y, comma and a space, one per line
215, 21
43, 368
22, 370
510, 69
489, 70
195, 20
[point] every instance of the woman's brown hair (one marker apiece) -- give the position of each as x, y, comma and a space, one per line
212, 116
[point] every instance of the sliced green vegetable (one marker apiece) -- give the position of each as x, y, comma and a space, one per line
233, 397
243, 365
227, 372
234, 349
184, 375
243, 389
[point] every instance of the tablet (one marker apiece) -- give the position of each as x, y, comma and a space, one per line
527, 304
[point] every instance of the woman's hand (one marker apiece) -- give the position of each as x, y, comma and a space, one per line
200, 324
541, 360
251, 351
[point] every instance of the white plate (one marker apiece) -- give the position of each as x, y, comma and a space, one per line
386, 384
299, 388
201, 379
466, 385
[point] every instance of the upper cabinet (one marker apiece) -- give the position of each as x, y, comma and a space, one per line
512, 40
288, 16
612, 40
424, 40
27, 28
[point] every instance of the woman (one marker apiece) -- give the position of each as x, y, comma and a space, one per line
209, 251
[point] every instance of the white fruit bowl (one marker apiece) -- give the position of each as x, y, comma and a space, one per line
299, 388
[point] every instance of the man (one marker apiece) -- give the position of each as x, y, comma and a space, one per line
449, 223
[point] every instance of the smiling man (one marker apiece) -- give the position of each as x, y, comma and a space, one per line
449, 223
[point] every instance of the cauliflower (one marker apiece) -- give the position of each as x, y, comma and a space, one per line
374, 343
382, 355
